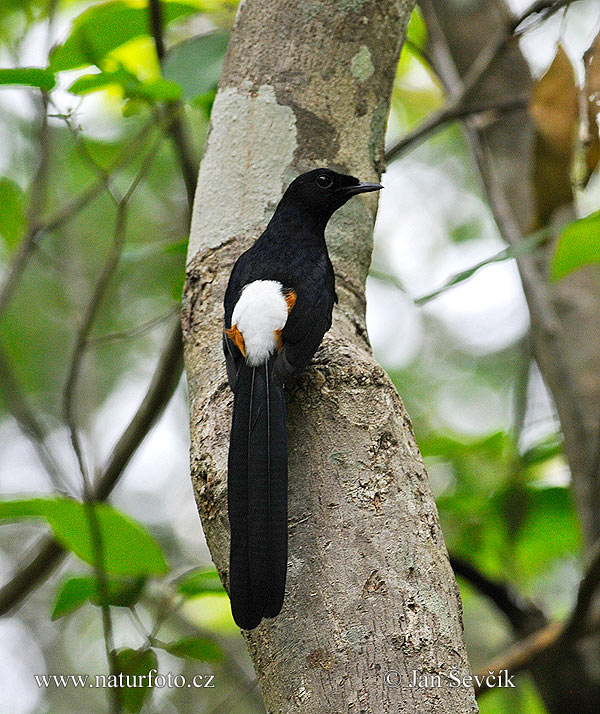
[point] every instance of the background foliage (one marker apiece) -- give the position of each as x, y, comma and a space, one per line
103, 119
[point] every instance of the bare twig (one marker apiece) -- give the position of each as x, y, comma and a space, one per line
522, 248
541, 309
177, 129
523, 615
93, 306
165, 380
456, 109
521, 655
134, 331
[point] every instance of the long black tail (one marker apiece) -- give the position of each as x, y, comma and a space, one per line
257, 497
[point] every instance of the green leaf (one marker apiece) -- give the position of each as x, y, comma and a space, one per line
74, 592
128, 549
122, 592
154, 90
199, 582
71, 595
93, 82
195, 65
103, 28
578, 245
29, 77
137, 663
12, 215
416, 32
158, 90
195, 648
546, 449
550, 530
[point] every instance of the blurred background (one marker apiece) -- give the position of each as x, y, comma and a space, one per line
94, 215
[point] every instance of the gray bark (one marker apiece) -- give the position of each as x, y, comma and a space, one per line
369, 587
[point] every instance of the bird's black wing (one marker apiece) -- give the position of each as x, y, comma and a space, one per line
233, 360
306, 325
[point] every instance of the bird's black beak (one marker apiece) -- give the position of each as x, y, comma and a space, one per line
362, 188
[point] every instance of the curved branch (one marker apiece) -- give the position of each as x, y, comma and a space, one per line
520, 656
523, 615
456, 109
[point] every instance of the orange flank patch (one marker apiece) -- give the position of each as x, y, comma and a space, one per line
237, 338
290, 299
278, 339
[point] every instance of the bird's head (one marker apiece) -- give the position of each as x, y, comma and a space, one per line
323, 191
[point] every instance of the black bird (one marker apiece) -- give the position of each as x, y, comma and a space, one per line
278, 306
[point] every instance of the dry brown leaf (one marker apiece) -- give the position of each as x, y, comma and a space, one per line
591, 63
554, 104
554, 110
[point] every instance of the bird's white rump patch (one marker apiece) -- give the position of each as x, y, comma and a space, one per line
260, 311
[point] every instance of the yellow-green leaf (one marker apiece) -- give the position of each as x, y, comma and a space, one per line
128, 549
29, 77
578, 245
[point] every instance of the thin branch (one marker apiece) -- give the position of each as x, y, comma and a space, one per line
164, 382
37, 196
541, 309
134, 331
520, 656
521, 390
35, 206
80, 143
455, 109
177, 129
157, 27
524, 247
523, 615
95, 301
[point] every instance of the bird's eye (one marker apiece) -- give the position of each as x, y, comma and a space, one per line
324, 181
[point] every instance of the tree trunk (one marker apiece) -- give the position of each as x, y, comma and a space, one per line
370, 589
